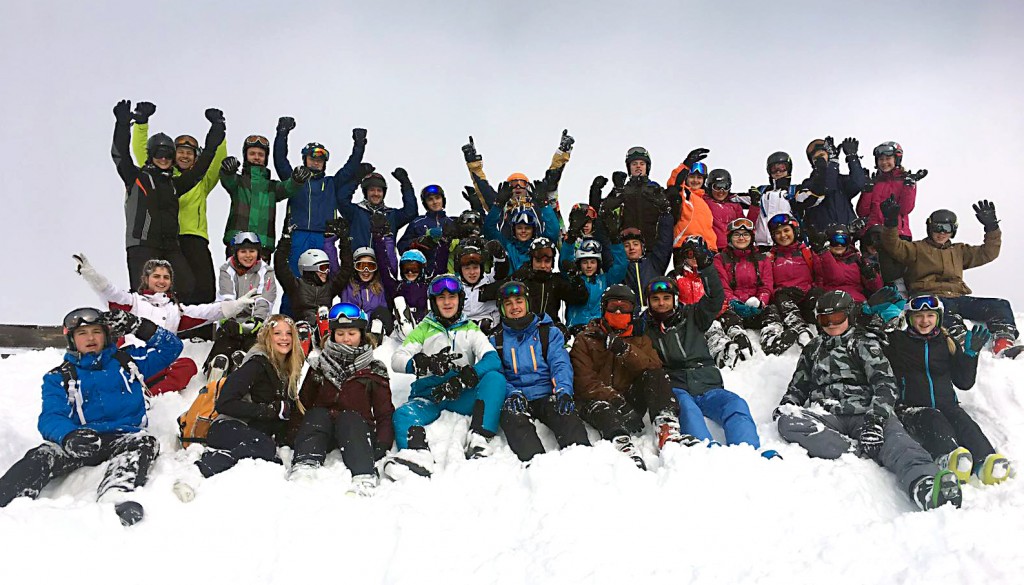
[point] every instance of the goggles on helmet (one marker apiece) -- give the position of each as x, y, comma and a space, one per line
720, 186
366, 265
699, 168
323, 267
257, 140
884, 150
245, 238
637, 151
317, 152
444, 283
741, 223
924, 303
470, 258
660, 286
631, 233
828, 319
591, 212
165, 152
470, 217
80, 317
186, 141
839, 240
432, 190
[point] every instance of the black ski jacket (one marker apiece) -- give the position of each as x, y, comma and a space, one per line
307, 293
927, 368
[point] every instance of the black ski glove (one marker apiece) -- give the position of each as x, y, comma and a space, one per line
911, 178
617, 345
365, 170
871, 436
539, 194
830, 148
453, 387
569, 268
339, 227
497, 252
504, 194
890, 211
123, 111
596, 187
985, 211
214, 115
379, 224
701, 253
401, 176
564, 403
469, 194
285, 124
230, 165
755, 197
81, 443
696, 155
438, 364
850, 146
867, 271
486, 325
470, 153
516, 403
619, 180
143, 110
301, 174
359, 136
565, 144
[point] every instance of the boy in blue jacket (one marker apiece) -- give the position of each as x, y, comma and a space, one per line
538, 374
94, 409
588, 257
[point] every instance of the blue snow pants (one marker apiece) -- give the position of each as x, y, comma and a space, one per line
422, 411
721, 406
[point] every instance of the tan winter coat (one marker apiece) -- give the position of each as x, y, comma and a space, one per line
939, 270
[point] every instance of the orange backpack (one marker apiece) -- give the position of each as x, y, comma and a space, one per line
194, 423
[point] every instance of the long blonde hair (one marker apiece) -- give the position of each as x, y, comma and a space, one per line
289, 366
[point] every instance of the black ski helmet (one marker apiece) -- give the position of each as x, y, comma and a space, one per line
374, 180
781, 219
638, 153
834, 301
815, 146
872, 237
315, 150
617, 292
256, 141
160, 144
838, 235
542, 243
441, 284
779, 157
431, 190
514, 288
942, 221
889, 148
81, 317
663, 284
719, 178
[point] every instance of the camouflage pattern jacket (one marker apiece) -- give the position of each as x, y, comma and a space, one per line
846, 374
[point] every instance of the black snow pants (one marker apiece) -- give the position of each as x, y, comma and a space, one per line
940, 430
522, 435
624, 415
348, 431
196, 251
228, 340
128, 457
184, 282
228, 441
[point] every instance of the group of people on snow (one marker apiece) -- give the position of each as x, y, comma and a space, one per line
512, 312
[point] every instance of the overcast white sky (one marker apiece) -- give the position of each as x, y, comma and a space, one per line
741, 78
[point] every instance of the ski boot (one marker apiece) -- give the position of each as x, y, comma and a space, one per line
363, 485
994, 469
413, 460
667, 426
959, 461
931, 492
743, 348
218, 367
129, 512
718, 343
237, 357
303, 471
625, 445
776, 339
477, 446
1004, 347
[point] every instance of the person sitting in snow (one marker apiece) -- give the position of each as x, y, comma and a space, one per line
155, 300
316, 288
928, 364
406, 277
457, 369
841, 398
94, 409
539, 376
471, 259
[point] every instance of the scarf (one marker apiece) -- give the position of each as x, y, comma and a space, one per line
340, 362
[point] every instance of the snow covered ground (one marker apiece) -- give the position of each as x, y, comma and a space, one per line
721, 515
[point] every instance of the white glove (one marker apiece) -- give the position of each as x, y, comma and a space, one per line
232, 308
96, 280
753, 302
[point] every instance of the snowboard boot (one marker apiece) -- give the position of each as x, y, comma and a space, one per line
363, 485
776, 339
744, 349
625, 445
931, 492
218, 367
237, 357
1004, 347
959, 461
129, 512
303, 471
994, 469
667, 426
413, 460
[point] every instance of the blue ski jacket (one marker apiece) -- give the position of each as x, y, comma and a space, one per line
525, 366
317, 200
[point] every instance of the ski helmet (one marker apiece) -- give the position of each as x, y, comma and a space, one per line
590, 211
527, 217
815, 146
838, 235
663, 284
374, 180
631, 233
719, 179
315, 150
514, 288
638, 153
314, 261
186, 141
833, 302
740, 224
518, 177
364, 252
412, 256
348, 316
621, 299
889, 148
446, 283
151, 265
255, 141
688, 249
589, 248
430, 191
81, 317
779, 157
243, 240
922, 303
160, 145
470, 218
539, 245
872, 237
468, 254
942, 221
619, 292
780, 219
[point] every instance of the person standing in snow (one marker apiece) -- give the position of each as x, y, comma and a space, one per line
457, 369
687, 196
831, 200
375, 188
94, 409
539, 376
347, 400
635, 200
433, 221
841, 398
256, 400
155, 300
151, 204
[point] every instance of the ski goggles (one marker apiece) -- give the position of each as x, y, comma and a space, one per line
470, 259
343, 311
318, 152
80, 317
619, 306
323, 267
512, 289
839, 240
470, 217
631, 233
659, 286
721, 186
432, 190
638, 151
831, 319
699, 168
163, 152
186, 141
245, 238
590, 247
445, 283
741, 223
518, 183
257, 140
410, 267
591, 212
924, 303
941, 228
543, 253
884, 150
366, 266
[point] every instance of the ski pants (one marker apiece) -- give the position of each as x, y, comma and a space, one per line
723, 407
940, 430
730, 319
227, 341
302, 240
386, 317
522, 435
794, 304
196, 250
829, 436
422, 411
173, 378
624, 415
128, 457
348, 431
184, 282
995, 313
228, 441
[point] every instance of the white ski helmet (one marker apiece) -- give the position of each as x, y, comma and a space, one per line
588, 248
310, 259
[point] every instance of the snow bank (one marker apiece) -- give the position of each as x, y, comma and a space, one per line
721, 515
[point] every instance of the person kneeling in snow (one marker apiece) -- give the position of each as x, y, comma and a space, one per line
94, 409
539, 375
457, 369
848, 382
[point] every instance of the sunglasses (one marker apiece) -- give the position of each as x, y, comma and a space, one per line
924, 303
366, 266
443, 284
619, 306
830, 319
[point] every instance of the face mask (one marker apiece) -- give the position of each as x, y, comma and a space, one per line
620, 321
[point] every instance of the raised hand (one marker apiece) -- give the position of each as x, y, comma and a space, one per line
285, 124
695, 156
565, 144
470, 153
359, 135
911, 178
214, 115
301, 174
123, 111
890, 209
401, 175
230, 165
985, 211
850, 146
143, 110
